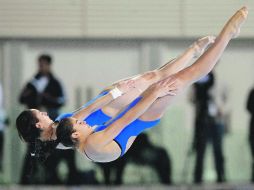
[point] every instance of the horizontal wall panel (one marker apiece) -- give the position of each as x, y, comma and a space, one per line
208, 17
29, 18
118, 18
133, 18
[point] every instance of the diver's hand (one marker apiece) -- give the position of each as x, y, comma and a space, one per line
126, 85
166, 87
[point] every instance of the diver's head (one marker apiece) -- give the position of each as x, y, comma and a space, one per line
33, 124
35, 128
71, 132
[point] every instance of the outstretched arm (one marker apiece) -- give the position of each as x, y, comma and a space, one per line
119, 89
85, 111
147, 98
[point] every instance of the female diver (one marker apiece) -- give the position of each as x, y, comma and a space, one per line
144, 97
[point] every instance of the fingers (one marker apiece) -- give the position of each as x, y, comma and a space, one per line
172, 87
168, 82
172, 93
167, 89
127, 85
131, 83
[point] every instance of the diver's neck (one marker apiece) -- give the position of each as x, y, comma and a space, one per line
81, 144
53, 131
83, 141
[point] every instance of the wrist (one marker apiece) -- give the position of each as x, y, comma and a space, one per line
115, 93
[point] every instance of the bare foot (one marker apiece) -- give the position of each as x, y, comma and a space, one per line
232, 27
201, 45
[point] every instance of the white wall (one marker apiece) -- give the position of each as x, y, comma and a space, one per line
122, 19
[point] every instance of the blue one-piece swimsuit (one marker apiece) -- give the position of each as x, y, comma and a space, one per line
99, 118
96, 118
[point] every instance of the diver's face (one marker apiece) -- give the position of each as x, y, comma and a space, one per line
44, 123
43, 119
81, 126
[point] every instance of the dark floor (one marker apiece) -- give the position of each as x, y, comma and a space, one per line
150, 187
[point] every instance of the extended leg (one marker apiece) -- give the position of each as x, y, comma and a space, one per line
174, 65
202, 66
144, 80
205, 63
194, 51
149, 107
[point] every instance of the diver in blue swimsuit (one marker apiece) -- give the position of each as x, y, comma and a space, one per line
143, 105
97, 117
107, 142
125, 101
99, 120
110, 141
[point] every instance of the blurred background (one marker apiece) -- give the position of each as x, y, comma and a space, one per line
93, 43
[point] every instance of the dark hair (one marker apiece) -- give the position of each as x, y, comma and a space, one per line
26, 126
41, 150
46, 58
64, 131
28, 132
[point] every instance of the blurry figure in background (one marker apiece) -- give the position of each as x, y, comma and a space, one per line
250, 108
208, 127
219, 109
3, 123
143, 152
44, 91
222, 110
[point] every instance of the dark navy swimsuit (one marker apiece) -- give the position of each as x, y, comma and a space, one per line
99, 118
